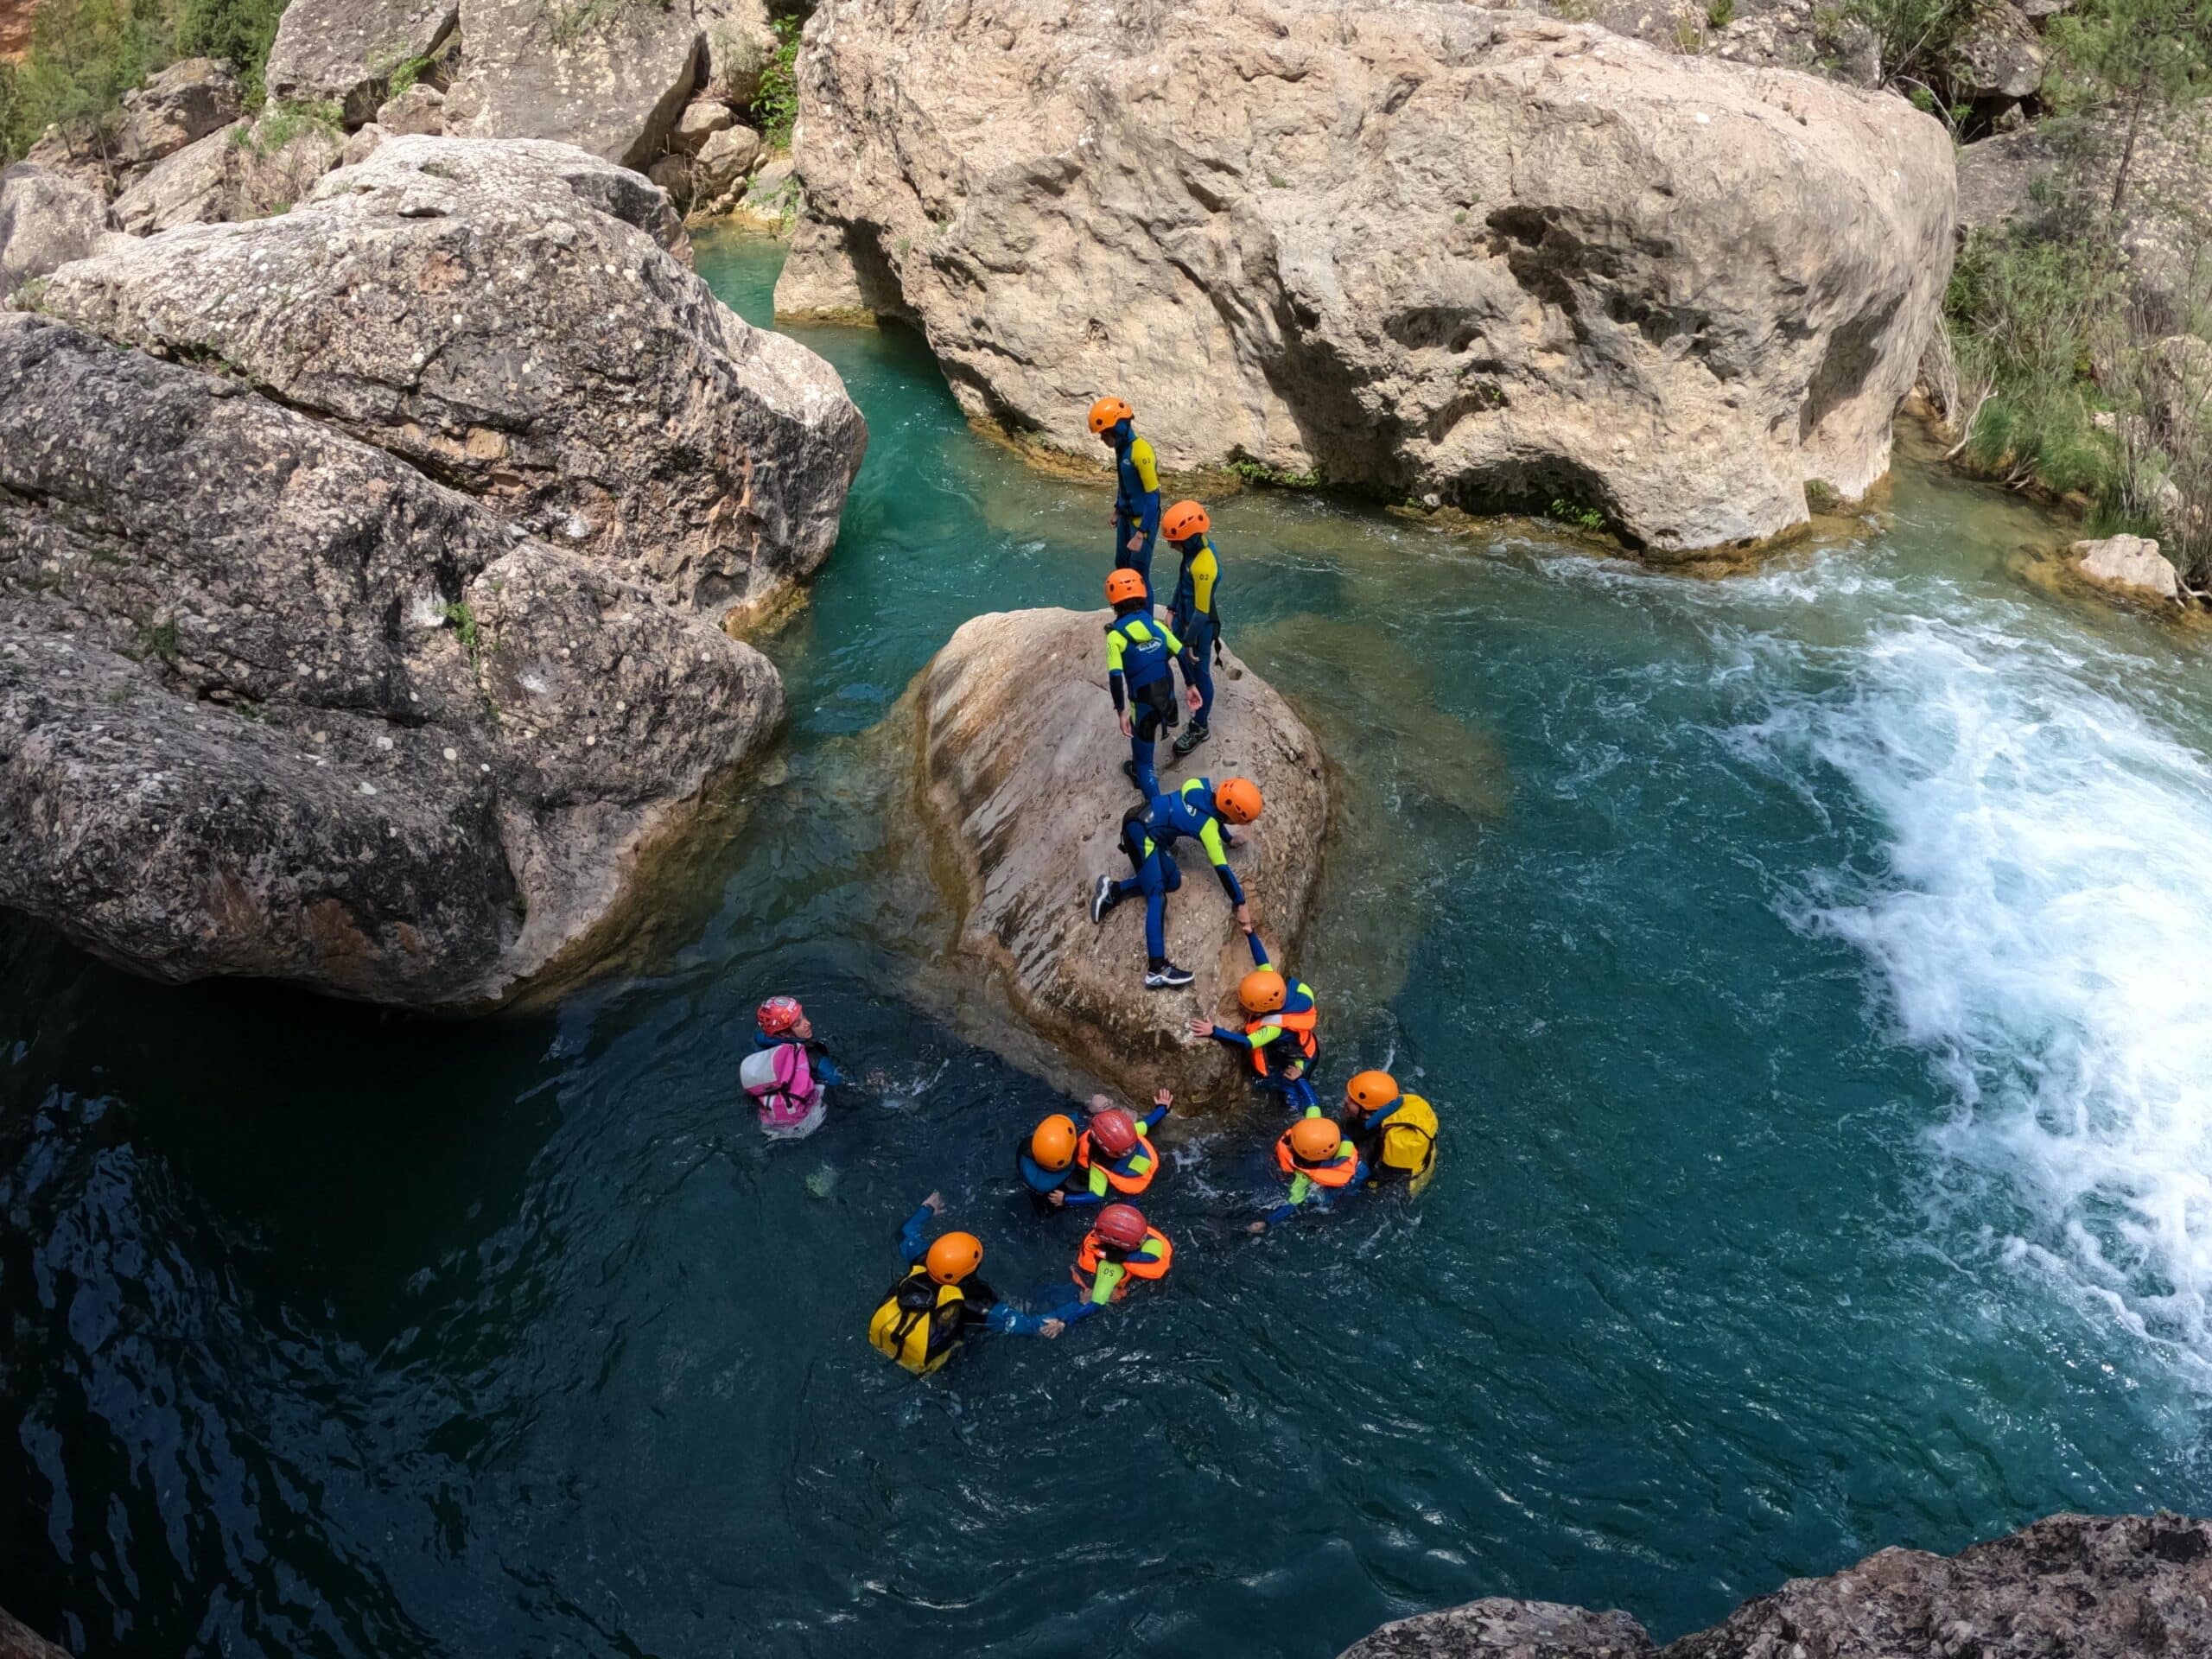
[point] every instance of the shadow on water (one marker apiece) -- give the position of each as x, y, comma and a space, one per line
1790, 956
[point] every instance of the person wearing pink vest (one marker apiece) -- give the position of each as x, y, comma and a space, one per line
788, 1073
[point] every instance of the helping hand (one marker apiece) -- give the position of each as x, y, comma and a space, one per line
1163, 1096
1199, 1028
1051, 1327
934, 1204
1244, 917
1056, 1198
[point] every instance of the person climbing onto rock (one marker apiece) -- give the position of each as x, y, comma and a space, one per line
1395, 1132
942, 1300
1194, 614
1278, 1036
1136, 495
1140, 656
1319, 1164
1113, 1154
1121, 1245
789, 1071
1194, 808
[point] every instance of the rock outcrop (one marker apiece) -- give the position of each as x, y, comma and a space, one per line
273, 704
246, 170
187, 100
2131, 562
47, 219
471, 309
1419, 247
1022, 784
345, 51
2070, 1587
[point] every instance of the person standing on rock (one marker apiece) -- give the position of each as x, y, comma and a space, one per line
1196, 809
1193, 614
1141, 656
1281, 1017
1136, 497
924, 1318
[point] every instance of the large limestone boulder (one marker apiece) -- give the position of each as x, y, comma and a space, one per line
1023, 786
2070, 1587
187, 100
46, 220
478, 315
345, 51
2131, 562
1417, 246
246, 170
272, 703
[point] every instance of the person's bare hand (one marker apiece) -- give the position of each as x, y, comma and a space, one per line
1192, 695
934, 1204
1257, 1227
1136, 541
1244, 916
1056, 1198
1051, 1327
1199, 1028
1129, 726
1163, 1096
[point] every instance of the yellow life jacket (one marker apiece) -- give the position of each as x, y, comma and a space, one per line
919, 1322
1408, 1142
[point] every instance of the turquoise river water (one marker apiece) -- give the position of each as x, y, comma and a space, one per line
1810, 966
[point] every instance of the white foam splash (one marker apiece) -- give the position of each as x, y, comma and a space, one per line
2044, 930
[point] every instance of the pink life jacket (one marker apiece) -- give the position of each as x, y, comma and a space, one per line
781, 1081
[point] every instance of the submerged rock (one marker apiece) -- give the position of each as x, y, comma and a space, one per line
273, 704
2128, 562
1022, 783
1415, 247
47, 219
2070, 1587
480, 312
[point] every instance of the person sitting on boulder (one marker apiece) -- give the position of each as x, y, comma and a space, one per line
1314, 1157
1194, 808
1279, 1035
1113, 1154
788, 1071
1121, 1245
1136, 495
1194, 613
1395, 1132
943, 1300
1140, 656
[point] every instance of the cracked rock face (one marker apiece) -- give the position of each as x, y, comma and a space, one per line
1022, 783
273, 702
469, 308
1419, 247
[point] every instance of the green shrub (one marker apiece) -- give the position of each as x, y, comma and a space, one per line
84, 55
1259, 473
1580, 515
775, 107
1721, 13
239, 32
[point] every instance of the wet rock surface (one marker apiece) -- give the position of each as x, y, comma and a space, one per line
472, 309
1021, 762
1420, 248
273, 704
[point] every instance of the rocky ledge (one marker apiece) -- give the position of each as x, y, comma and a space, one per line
1022, 784
2070, 1587
1424, 249
361, 624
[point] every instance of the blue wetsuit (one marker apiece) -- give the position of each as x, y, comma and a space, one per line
1137, 503
1195, 617
997, 1315
817, 1058
1141, 656
1298, 998
1074, 1183
1148, 837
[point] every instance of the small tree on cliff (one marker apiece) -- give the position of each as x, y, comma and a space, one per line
2145, 56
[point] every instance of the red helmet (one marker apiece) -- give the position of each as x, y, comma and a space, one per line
779, 1014
1115, 1130
1122, 1225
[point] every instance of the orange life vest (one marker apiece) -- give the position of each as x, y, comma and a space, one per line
1338, 1172
1299, 1026
1088, 1258
1105, 1171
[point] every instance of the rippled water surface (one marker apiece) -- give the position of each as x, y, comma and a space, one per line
1810, 967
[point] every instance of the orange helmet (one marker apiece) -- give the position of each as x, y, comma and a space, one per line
1122, 1225
1115, 1130
1313, 1140
953, 1257
1237, 800
1261, 991
1124, 584
1183, 520
1053, 1144
1370, 1091
1109, 412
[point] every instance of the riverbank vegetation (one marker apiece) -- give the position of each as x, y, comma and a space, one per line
85, 54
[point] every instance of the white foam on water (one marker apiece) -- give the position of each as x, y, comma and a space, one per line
2044, 928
